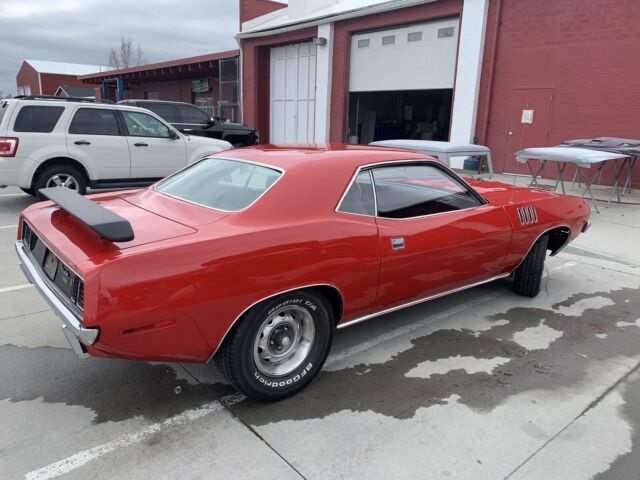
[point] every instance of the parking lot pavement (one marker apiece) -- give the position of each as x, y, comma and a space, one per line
482, 384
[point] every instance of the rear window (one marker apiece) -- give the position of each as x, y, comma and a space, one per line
221, 184
37, 118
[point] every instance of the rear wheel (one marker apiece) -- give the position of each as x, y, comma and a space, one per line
65, 176
528, 276
278, 346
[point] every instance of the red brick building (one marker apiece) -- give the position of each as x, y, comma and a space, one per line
38, 77
209, 81
464, 70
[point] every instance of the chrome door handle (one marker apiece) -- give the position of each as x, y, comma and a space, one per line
397, 243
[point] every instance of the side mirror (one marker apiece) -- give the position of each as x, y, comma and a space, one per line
173, 135
211, 122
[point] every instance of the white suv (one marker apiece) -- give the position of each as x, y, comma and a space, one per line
74, 143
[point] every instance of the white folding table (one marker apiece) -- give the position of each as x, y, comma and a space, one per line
580, 157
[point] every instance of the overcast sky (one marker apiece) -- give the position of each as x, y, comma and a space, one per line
82, 31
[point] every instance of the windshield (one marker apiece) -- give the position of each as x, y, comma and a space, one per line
221, 184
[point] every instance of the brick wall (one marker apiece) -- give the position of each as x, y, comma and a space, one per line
586, 51
250, 9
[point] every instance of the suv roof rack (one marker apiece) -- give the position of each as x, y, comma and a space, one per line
61, 99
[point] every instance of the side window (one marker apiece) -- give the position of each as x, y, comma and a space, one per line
94, 121
359, 198
143, 125
407, 191
192, 115
37, 119
164, 110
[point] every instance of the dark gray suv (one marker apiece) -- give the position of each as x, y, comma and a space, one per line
192, 120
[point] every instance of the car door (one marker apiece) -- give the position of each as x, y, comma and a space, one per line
436, 234
194, 121
156, 149
95, 137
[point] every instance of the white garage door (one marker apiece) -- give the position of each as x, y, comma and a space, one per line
293, 93
419, 57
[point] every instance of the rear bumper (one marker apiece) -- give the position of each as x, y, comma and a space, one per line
77, 335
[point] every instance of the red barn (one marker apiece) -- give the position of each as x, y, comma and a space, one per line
39, 77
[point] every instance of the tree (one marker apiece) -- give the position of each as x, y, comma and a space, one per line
126, 55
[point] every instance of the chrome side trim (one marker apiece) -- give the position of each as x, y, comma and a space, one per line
417, 302
71, 323
267, 298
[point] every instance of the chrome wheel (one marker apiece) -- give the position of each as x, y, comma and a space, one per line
284, 340
62, 180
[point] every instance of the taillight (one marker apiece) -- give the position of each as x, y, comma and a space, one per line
8, 146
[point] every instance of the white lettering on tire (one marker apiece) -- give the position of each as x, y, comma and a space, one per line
283, 383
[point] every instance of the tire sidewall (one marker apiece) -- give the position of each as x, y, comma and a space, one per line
47, 173
269, 387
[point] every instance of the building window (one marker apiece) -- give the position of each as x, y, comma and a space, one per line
388, 40
364, 43
414, 37
445, 32
152, 95
25, 90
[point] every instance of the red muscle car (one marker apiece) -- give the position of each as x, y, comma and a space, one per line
254, 256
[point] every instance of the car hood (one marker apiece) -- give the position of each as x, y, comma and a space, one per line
197, 141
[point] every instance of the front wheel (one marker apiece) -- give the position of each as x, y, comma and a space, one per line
278, 346
528, 276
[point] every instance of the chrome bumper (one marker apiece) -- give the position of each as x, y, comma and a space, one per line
76, 334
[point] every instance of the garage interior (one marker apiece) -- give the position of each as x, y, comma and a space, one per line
401, 82
414, 114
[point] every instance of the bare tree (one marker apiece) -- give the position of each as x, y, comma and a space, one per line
126, 55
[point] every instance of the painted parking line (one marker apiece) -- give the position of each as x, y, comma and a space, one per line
83, 457
8, 226
15, 287
14, 195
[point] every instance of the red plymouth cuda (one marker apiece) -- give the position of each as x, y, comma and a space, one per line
253, 257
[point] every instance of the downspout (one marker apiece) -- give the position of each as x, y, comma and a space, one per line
492, 69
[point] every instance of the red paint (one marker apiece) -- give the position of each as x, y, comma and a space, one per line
173, 292
585, 53
250, 9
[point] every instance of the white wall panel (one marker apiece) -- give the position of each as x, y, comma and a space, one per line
420, 65
293, 90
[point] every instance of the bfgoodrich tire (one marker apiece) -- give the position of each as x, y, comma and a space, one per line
528, 276
60, 176
278, 346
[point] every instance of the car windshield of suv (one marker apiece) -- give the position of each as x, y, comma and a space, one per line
221, 184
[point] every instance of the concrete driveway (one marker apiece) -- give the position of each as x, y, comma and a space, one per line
482, 384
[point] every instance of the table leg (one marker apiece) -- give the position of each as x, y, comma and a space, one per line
588, 182
561, 167
616, 185
534, 176
627, 183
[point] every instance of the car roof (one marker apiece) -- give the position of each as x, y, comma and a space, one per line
337, 157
